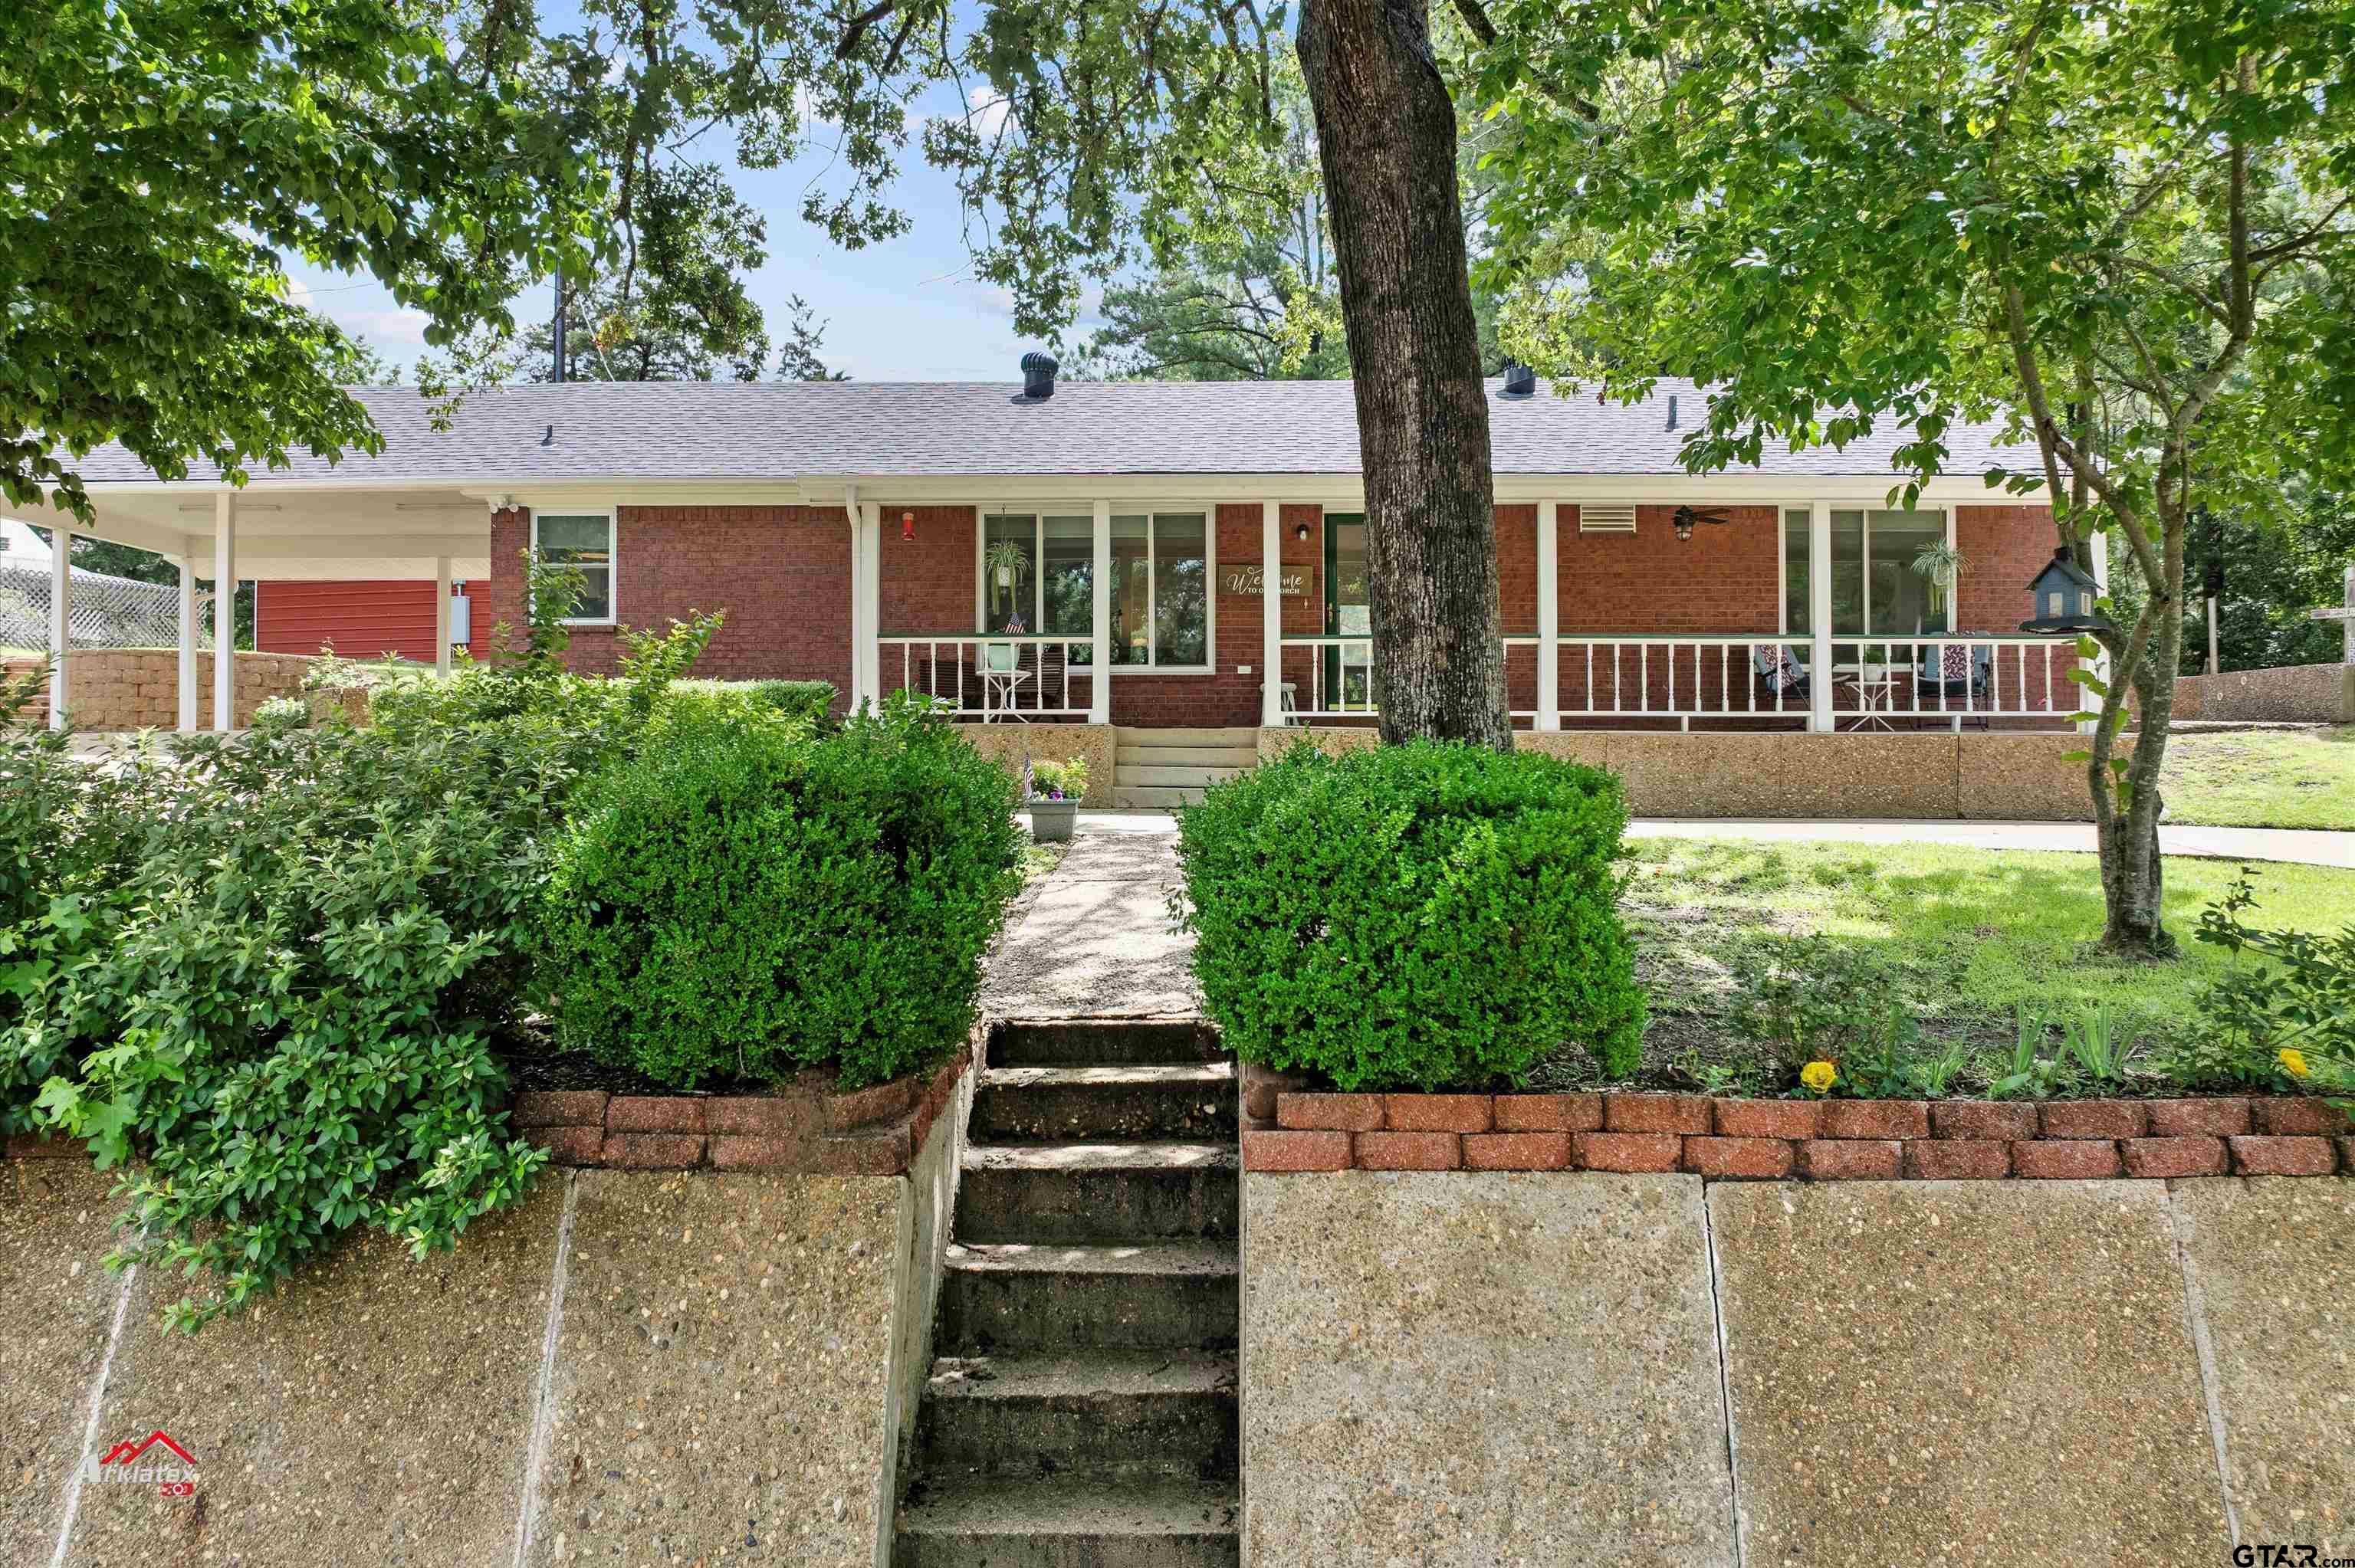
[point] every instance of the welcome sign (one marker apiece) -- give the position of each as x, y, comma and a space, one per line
1293, 582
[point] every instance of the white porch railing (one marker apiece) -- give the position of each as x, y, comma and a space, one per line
1738, 675
1878, 680
993, 676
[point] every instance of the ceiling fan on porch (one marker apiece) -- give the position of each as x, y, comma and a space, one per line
1685, 517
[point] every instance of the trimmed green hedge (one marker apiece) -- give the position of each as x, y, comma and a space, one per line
1413, 917
740, 901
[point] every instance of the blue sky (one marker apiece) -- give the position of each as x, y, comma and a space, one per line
909, 310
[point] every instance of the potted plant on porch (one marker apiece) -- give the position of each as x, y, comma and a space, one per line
1053, 789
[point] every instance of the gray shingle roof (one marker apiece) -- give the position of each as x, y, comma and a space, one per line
723, 430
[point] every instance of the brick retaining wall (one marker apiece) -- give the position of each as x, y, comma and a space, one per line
807, 1127
1733, 1139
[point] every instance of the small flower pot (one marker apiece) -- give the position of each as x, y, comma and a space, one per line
1050, 821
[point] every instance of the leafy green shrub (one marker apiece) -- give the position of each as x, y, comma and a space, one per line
1810, 999
808, 702
1418, 916
273, 971
740, 901
2289, 1025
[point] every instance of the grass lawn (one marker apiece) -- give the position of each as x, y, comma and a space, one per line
1974, 931
2261, 779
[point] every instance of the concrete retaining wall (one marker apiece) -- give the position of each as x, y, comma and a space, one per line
2307, 693
2000, 775
632, 1366
1011, 745
113, 689
1450, 1369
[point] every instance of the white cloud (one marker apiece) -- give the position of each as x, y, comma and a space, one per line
399, 326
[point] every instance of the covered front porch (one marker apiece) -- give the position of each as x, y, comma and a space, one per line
1804, 616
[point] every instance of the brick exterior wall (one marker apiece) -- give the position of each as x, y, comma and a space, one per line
780, 572
783, 574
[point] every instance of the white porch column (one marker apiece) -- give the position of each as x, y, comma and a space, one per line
1100, 612
224, 610
1549, 615
2101, 545
870, 545
441, 615
187, 686
1270, 610
861, 633
1819, 618
60, 621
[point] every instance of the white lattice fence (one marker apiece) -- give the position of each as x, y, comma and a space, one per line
103, 612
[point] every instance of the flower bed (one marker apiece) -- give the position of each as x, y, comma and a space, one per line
1739, 1139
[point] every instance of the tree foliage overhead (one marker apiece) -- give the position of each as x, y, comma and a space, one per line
155, 158
2121, 227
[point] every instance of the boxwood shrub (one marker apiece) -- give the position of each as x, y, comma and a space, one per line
741, 901
1420, 916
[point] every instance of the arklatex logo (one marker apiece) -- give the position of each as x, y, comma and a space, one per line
153, 1460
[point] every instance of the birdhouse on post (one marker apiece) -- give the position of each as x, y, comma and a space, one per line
2064, 595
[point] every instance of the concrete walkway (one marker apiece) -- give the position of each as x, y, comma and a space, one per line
1096, 940
2301, 846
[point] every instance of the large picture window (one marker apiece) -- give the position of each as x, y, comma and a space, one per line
1876, 590
1038, 575
583, 542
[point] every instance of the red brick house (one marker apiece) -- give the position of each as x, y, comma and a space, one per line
1143, 553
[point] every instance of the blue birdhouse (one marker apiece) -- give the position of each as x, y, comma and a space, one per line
2064, 597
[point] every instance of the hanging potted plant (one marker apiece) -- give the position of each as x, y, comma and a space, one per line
1939, 566
1009, 567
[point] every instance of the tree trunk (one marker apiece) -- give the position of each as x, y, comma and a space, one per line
1385, 134
2132, 879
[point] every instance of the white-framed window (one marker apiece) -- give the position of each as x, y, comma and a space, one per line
1876, 591
1037, 575
585, 542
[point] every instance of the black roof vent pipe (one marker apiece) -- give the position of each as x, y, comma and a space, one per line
1039, 375
1672, 410
1520, 381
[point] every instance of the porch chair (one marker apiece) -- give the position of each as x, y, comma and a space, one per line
1285, 695
1779, 669
1955, 672
1002, 680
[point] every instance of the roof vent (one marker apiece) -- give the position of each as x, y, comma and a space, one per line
1594, 519
1039, 375
1672, 410
1520, 381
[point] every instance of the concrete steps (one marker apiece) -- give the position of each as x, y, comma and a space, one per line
1097, 1191
1103, 1042
1184, 1100
1073, 1521
1017, 1298
1160, 770
1081, 1410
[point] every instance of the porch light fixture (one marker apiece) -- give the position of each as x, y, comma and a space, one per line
907, 526
2064, 597
1300, 532
1686, 516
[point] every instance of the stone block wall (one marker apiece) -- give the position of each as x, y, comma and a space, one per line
2008, 776
2288, 694
121, 689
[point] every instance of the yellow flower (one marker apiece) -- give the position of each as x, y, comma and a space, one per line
1819, 1075
2293, 1063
